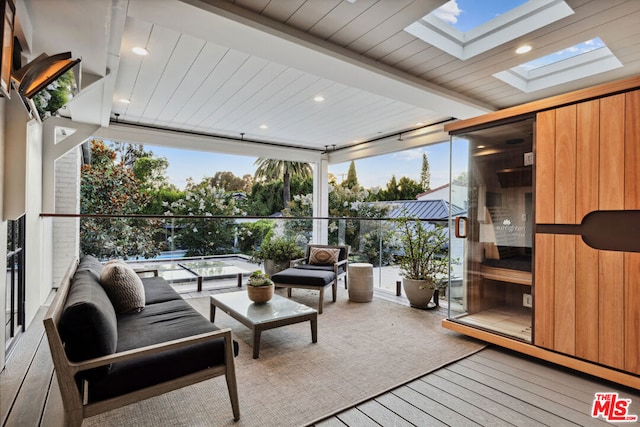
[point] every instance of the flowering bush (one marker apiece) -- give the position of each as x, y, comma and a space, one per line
202, 236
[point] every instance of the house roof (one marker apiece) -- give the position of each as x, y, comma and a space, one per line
432, 190
424, 209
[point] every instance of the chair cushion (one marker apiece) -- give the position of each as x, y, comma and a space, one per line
88, 324
323, 256
299, 276
158, 323
320, 267
123, 286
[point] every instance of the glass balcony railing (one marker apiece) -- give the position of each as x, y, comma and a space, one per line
207, 252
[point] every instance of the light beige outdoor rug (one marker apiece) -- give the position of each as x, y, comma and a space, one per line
363, 349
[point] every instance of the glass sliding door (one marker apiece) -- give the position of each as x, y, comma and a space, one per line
491, 281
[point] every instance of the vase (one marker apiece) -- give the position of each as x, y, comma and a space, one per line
418, 292
260, 294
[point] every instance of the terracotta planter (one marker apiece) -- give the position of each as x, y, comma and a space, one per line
260, 294
418, 292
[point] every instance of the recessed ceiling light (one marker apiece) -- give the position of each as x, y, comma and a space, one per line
140, 51
481, 146
125, 101
319, 98
264, 127
523, 49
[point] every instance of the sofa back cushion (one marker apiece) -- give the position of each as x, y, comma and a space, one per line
88, 325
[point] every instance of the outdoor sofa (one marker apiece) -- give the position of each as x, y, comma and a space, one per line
104, 359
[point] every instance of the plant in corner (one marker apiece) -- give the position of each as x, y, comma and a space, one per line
276, 253
260, 287
424, 260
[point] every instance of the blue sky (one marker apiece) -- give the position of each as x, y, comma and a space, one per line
373, 171
468, 14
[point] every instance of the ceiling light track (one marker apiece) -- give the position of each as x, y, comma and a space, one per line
398, 135
240, 138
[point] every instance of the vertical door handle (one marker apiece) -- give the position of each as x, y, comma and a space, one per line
461, 219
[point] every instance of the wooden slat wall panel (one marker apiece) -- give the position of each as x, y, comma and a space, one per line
543, 292
564, 307
632, 261
565, 168
545, 167
587, 163
564, 246
611, 264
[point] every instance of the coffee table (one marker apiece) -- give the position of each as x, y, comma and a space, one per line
279, 311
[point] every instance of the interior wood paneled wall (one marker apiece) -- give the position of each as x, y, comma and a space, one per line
587, 301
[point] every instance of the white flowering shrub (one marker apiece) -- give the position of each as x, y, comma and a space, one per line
205, 236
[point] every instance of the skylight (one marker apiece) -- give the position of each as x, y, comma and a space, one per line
563, 54
465, 28
573, 63
466, 15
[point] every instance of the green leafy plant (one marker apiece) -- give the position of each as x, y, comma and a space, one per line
424, 256
258, 279
277, 249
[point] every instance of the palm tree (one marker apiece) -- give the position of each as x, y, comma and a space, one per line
272, 169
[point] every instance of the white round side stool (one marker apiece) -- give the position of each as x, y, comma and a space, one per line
360, 282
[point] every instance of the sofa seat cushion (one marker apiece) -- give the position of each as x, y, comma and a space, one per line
156, 290
300, 276
158, 323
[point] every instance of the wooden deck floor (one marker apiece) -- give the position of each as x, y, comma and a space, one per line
492, 387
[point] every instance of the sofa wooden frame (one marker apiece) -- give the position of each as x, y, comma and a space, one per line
75, 406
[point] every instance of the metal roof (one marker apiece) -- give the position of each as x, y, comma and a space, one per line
423, 209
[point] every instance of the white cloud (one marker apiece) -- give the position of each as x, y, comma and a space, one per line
448, 12
413, 154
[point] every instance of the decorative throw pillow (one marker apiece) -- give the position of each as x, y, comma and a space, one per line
123, 286
323, 256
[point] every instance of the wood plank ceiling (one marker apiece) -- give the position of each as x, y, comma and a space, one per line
226, 67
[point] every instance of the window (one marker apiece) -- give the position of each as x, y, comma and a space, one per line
14, 320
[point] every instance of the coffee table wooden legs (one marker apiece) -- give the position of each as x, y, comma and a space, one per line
257, 332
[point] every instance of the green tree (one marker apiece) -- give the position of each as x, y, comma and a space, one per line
425, 174
273, 169
151, 172
408, 189
391, 192
266, 197
352, 177
229, 182
108, 187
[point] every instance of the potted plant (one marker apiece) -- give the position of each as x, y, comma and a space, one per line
276, 253
259, 287
424, 261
